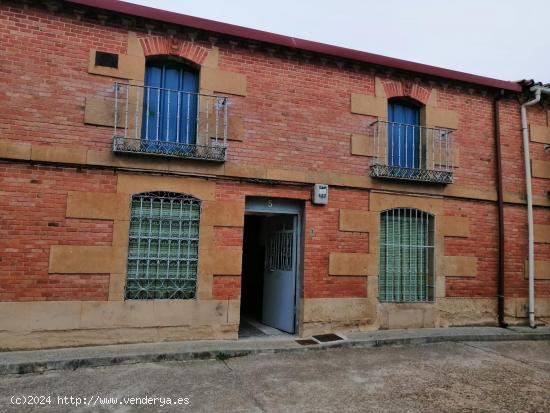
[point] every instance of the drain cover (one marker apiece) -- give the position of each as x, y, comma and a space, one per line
306, 342
324, 338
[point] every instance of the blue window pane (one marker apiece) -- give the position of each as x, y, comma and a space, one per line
403, 135
170, 105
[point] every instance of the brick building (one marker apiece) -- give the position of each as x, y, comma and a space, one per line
158, 180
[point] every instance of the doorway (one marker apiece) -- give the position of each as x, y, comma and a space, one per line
270, 282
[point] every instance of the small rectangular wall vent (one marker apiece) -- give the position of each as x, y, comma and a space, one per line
106, 59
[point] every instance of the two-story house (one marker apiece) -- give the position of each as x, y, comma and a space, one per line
165, 177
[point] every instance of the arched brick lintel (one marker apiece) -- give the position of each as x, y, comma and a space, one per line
395, 88
153, 46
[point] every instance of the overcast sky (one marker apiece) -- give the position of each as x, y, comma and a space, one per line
503, 39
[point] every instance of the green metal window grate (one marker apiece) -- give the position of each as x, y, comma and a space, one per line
163, 246
406, 256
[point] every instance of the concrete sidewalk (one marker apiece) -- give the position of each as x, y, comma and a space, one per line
19, 362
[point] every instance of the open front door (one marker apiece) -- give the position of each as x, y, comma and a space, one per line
278, 309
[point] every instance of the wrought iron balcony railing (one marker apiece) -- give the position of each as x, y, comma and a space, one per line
412, 152
158, 121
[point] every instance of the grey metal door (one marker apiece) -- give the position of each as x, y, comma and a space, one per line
279, 293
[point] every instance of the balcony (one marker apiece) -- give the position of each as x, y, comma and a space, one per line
412, 153
167, 122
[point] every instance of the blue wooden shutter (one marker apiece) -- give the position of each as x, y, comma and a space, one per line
170, 104
403, 135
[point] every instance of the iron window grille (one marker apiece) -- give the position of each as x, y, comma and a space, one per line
163, 246
278, 254
407, 256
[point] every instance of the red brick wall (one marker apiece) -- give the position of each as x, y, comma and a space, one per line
297, 109
482, 243
542, 251
32, 219
512, 148
321, 236
44, 61
297, 116
515, 242
516, 251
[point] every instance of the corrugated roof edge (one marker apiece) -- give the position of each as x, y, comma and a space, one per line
295, 43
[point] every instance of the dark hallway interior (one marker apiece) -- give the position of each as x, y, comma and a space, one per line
252, 275
253, 266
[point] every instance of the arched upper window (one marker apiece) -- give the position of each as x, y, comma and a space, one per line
169, 121
168, 115
163, 246
406, 148
406, 256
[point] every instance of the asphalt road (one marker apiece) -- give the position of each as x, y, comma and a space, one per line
488, 377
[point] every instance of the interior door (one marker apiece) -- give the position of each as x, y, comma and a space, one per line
279, 292
403, 135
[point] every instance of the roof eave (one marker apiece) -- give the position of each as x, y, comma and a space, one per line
295, 43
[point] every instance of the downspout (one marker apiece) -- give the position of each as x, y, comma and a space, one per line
527, 161
498, 156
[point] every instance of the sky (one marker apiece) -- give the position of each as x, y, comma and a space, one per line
502, 39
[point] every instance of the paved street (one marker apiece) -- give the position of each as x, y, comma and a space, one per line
491, 377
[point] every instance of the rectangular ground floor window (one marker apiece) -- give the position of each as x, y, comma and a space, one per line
406, 256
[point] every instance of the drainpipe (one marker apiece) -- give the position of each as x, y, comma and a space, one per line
498, 156
531, 239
